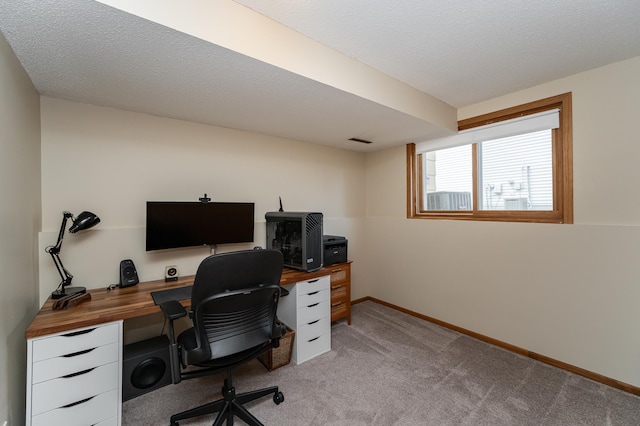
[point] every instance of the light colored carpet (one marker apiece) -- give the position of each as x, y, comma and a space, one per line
389, 368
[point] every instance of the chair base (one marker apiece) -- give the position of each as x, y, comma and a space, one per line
230, 405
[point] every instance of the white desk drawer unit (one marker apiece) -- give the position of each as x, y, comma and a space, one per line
307, 310
74, 378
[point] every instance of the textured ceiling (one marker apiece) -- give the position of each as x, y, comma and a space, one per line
466, 51
460, 52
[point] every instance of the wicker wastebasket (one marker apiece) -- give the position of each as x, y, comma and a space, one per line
280, 356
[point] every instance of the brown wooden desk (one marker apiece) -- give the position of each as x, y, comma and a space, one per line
61, 342
124, 303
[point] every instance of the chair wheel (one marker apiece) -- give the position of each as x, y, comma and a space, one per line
278, 398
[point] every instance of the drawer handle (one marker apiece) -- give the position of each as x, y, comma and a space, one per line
313, 322
78, 402
313, 281
333, 271
79, 353
335, 287
311, 306
315, 338
315, 292
79, 373
333, 305
77, 333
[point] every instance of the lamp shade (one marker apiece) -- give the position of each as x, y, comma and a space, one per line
84, 220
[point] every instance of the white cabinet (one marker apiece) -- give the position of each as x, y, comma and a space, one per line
75, 378
307, 310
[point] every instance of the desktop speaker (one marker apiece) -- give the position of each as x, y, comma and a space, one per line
128, 273
146, 367
171, 273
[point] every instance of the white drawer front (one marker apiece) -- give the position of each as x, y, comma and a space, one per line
69, 343
314, 284
101, 409
64, 365
309, 299
113, 421
317, 328
314, 312
313, 348
57, 393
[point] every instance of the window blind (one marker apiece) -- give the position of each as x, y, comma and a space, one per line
544, 120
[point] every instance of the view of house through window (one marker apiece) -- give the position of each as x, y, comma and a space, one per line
515, 168
448, 180
515, 173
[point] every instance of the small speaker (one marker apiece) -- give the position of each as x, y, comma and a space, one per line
170, 273
128, 273
146, 367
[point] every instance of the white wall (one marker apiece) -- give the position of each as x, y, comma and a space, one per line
111, 162
20, 223
570, 292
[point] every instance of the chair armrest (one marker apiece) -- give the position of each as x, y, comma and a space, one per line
172, 310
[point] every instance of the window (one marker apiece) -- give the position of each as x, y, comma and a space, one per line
512, 165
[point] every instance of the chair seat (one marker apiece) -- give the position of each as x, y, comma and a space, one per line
187, 339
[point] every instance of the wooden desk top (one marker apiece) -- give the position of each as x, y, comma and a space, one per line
123, 303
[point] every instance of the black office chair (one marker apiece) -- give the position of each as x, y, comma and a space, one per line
233, 308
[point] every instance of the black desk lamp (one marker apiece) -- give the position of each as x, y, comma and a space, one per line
85, 220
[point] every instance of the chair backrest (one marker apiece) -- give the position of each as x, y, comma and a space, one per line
234, 302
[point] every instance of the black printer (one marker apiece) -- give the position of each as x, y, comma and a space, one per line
335, 249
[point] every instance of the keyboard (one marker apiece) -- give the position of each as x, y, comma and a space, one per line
180, 293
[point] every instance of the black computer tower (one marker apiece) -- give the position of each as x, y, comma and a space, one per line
298, 236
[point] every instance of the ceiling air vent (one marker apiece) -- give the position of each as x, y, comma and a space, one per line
360, 140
